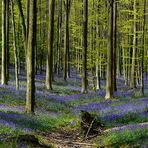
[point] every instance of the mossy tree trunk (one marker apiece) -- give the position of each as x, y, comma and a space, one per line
27, 17
49, 67
15, 47
30, 95
109, 81
115, 45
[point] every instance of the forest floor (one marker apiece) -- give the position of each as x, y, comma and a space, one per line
57, 115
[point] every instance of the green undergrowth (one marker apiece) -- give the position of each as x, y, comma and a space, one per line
38, 122
34, 123
83, 100
126, 138
63, 90
132, 118
12, 138
9, 100
6, 133
53, 106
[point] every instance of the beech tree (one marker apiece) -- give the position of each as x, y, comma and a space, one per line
7, 39
4, 45
19, 3
84, 50
49, 68
66, 71
143, 50
30, 95
15, 47
133, 72
109, 80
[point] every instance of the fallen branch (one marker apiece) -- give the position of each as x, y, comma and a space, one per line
89, 128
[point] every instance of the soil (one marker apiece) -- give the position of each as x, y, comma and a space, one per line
68, 139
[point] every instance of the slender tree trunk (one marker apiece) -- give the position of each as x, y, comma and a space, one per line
15, 47
109, 81
4, 58
98, 77
18, 41
27, 17
115, 46
66, 41
133, 72
7, 39
66, 44
59, 36
30, 95
84, 50
143, 49
49, 69
119, 58
98, 57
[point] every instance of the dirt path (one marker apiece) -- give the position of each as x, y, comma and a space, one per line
62, 138
73, 140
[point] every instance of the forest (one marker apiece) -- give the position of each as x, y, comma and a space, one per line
73, 73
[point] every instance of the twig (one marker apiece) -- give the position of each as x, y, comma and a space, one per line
89, 127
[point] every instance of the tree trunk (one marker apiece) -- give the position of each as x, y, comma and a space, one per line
59, 36
30, 96
66, 41
115, 46
84, 50
109, 81
22, 21
7, 39
15, 47
133, 72
143, 49
49, 69
27, 17
4, 58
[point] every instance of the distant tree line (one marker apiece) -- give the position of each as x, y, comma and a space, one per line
99, 39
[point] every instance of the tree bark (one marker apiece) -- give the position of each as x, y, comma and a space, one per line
143, 41
7, 40
115, 46
4, 58
49, 69
133, 72
84, 50
23, 24
30, 95
15, 47
109, 81
66, 71
59, 37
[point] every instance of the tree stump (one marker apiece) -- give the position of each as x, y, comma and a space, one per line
90, 124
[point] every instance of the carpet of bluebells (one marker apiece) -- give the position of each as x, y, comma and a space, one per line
126, 110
